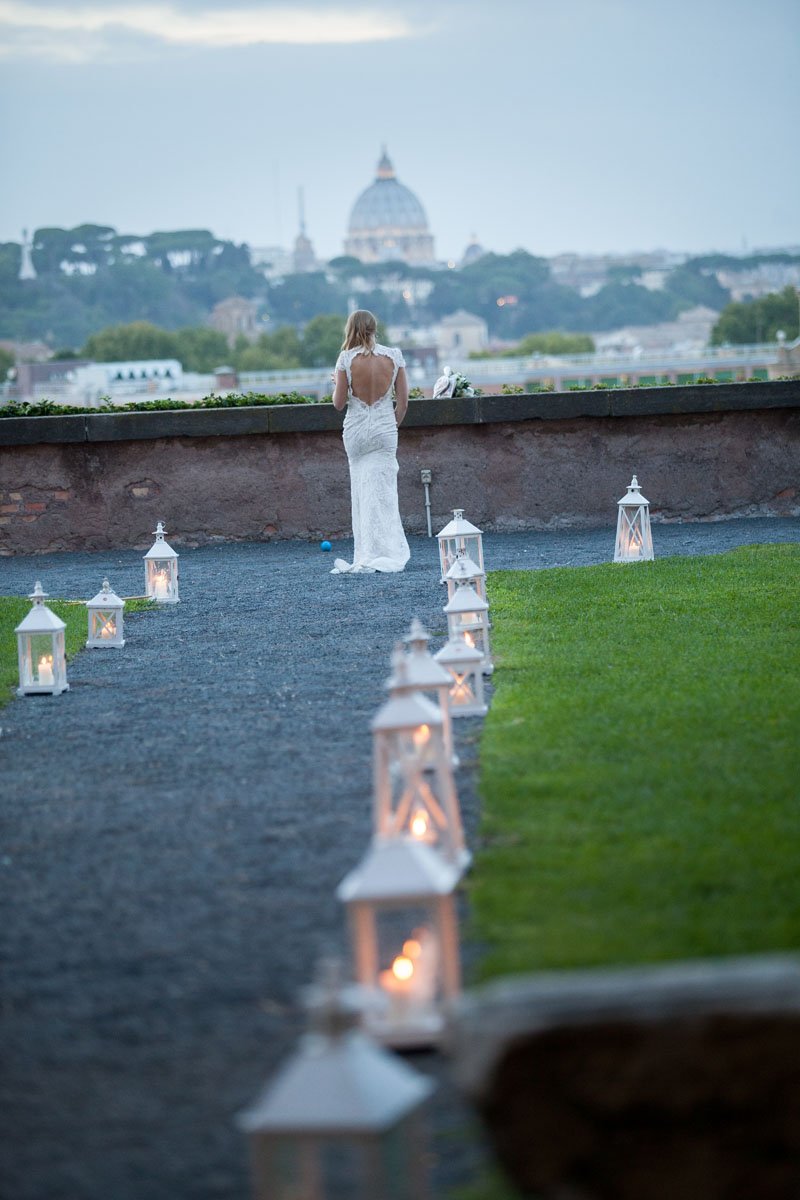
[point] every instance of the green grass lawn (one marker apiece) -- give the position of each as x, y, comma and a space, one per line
640, 766
73, 612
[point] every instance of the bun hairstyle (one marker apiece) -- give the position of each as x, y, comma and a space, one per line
360, 330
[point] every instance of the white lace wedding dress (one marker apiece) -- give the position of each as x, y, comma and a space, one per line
370, 439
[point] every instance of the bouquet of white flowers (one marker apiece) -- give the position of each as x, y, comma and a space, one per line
453, 383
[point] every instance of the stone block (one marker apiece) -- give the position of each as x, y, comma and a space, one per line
645, 1083
304, 418
31, 431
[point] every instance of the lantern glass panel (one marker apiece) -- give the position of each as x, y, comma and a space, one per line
161, 581
41, 659
415, 761
104, 625
409, 981
381, 1167
634, 540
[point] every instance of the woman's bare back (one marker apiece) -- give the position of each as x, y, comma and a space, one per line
371, 376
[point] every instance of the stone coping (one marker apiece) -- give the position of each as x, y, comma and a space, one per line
466, 410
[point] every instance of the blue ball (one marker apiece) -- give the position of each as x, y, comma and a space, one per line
325, 546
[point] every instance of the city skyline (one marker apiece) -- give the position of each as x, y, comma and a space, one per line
593, 128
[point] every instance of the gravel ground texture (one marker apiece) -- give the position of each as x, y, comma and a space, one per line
173, 831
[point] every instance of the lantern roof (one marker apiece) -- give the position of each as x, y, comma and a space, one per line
346, 1085
465, 568
458, 525
465, 599
160, 548
633, 495
399, 868
40, 619
458, 651
417, 636
338, 1081
105, 598
406, 710
421, 672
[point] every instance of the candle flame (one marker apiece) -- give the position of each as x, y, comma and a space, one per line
46, 660
412, 948
421, 735
402, 967
468, 638
419, 824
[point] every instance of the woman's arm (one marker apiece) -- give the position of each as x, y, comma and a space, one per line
340, 391
401, 395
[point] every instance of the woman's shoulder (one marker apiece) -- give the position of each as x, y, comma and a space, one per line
393, 352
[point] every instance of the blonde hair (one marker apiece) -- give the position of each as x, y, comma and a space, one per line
360, 330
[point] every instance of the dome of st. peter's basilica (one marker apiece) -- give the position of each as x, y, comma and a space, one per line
388, 222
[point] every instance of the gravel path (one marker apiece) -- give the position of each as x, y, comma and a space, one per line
174, 828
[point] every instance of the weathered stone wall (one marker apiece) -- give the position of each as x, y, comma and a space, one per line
103, 480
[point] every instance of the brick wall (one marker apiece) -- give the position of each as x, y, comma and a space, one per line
511, 462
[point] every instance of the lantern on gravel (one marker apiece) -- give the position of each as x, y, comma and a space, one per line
468, 619
340, 1117
401, 906
40, 647
423, 674
161, 570
634, 541
459, 534
413, 788
464, 665
105, 618
465, 568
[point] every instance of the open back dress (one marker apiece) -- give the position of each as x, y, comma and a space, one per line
370, 439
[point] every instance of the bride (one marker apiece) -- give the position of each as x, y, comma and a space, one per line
366, 373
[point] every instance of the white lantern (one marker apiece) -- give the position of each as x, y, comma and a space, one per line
105, 618
464, 665
401, 905
459, 534
634, 540
40, 646
465, 568
423, 674
413, 788
161, 570
468, 619
340, 1117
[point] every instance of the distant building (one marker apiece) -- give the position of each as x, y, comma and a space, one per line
303, 257
274, 262
473, 252
233, 317
388, 222
461, 333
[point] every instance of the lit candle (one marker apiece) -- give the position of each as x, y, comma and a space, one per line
398, 984
410, 982
419, 824
468, 638
161, 589
46, 670
421, 735
107, 630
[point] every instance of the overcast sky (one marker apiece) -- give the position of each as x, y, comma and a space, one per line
571, 125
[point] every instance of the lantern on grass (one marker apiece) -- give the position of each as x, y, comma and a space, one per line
413, 788
468, 619
161, 570
464, 568
105, 618
459, 534
341, 1117
634, 541
401, 906
40, 647
464, 665
423, 674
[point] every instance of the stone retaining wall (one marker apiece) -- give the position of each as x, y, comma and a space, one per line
512, 462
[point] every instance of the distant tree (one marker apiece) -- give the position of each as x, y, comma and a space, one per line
322, 340
619, 304
6, 363
51, 246
10, 262
138, 340
554, 342
64, 354
200, 349
278, 351
692, 285
298, 298
623, 272
759, 320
